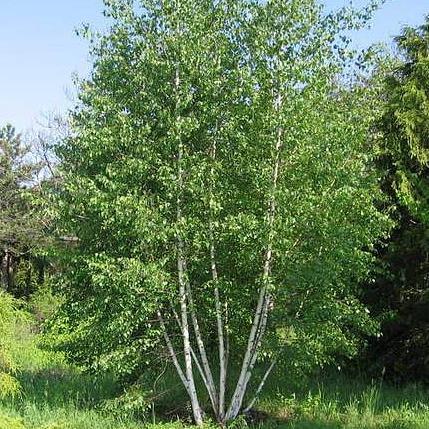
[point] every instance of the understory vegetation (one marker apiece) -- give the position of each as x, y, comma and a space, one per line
56, 395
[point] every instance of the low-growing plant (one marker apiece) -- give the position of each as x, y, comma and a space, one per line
43, 302
10, 315
135, 401
7, 422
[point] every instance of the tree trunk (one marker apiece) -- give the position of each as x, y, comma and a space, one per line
220, 412
7, 270
261, 313
261, 385
181, 265
208, 376
172, 353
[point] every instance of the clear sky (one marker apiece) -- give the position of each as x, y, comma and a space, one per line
39, 50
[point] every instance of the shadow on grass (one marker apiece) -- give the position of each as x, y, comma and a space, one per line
61, 387
48, 381
308, 424
333, 401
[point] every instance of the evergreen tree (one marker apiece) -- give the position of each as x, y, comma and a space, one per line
401, 295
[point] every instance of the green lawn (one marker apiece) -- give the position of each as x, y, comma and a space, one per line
56, 396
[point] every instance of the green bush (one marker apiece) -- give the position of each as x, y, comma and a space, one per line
134, 402
10, 314
9, 386
43, 303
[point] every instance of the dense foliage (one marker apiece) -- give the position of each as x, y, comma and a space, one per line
402, 296
20, 230
218, 163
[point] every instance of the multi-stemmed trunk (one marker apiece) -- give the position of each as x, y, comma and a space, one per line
182, 276
187, 308
261, 314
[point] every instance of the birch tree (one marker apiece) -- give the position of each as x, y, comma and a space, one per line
218, 180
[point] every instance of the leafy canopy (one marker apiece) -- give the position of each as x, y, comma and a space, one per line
190, 109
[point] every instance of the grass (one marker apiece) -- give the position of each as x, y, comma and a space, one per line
57, 396
54, 394
337, 401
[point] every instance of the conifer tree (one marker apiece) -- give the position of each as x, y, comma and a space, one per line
400, 297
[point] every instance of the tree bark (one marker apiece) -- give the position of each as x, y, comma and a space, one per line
202, 350
218, 305
181, 264
260, 386
172, 352
261, 313
235, 404
213, 399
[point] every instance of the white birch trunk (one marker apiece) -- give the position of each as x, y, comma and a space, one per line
193, 354
258, 341
218, 307
260, 386
261, 314
172, 352
235, 404
196, 409
222, 357
208, 379
213, 398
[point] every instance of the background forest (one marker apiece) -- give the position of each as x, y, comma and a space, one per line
229, 228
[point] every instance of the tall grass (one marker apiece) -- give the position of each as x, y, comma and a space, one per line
338, 401
57, 396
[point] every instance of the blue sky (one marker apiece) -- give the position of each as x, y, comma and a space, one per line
39, 50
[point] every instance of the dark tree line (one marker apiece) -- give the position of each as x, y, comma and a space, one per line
400, 297
21, 230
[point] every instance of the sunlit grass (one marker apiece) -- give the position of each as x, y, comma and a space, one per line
57, 396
